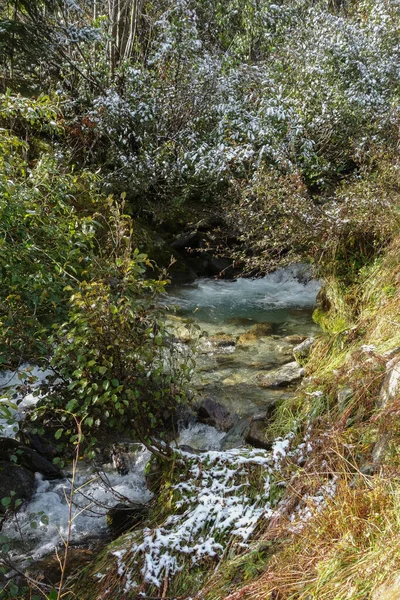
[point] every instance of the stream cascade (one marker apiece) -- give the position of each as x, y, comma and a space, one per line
242, 332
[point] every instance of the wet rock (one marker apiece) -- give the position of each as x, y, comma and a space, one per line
28, 458
189, 449
284, 350
222, 340
231, 361
240, 321
261, 329
282, 377
294, 339
257, 433
213, 413
219, 266
16, 482
187, 240
236, 436
255, 332
44, 446
246, 339
236, 378
123, 517
302, 351
122, 455
184, 334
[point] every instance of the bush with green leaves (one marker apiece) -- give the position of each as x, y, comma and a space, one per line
46, 229
73, 289
122, 370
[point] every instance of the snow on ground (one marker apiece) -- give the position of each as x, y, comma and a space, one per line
217, 504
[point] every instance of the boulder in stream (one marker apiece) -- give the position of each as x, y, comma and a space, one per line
282, 377
213, 413
122, 517
28, 458
16, 483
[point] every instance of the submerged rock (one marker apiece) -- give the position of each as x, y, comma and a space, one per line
294, 339
255, 332
240, 321
282, 377
120, 460
236, 378
222, 340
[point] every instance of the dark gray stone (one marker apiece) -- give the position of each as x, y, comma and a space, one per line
28, 458
213, 413
256, 435
16, 482
123, 517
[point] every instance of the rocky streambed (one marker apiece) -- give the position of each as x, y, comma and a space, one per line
250, 338
246, 336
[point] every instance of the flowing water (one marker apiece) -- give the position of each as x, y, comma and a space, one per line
242, 329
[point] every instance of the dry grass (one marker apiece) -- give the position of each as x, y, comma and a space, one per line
344, 552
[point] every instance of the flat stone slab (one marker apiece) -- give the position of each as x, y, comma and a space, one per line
282, 377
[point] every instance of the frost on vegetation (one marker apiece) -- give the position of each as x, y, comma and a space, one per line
218, 504
311, 504
335, 74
